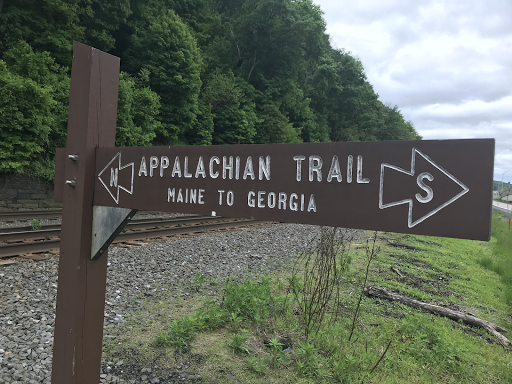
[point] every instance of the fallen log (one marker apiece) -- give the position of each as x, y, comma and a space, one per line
451, 314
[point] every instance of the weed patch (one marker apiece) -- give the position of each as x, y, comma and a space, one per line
35, 225
500, 261
238, 343
256, 331
198, 282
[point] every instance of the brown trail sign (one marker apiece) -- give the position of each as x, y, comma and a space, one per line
440, 188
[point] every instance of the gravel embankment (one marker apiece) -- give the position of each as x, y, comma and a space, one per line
28, 291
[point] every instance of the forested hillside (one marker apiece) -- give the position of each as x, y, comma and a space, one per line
500, 186
193, 72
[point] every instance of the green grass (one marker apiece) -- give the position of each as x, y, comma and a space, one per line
500, 261
242, 331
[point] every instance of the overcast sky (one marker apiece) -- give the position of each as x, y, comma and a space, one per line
446, 64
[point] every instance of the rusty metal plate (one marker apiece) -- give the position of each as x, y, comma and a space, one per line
438, 188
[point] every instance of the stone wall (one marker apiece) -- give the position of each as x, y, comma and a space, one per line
20, 192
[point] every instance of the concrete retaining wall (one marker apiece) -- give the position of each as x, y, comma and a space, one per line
21, 192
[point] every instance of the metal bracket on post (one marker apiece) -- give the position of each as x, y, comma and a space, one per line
107, 223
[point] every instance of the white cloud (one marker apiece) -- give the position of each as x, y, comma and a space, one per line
445, 64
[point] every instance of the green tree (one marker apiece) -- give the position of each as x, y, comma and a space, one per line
221, 71
274, 127
394, 126
47, 25
25, 120
232, 108
137, 111
322, 85
344, 98
41, 68
169, 51
274, 43
53, 25
101, 19
203, 132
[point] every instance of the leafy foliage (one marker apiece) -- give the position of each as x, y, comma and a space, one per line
181, 331
194, 72
41, 68
278, 357
45, 115
35, 225
197, 282
499, 261
231, 108
238, 343
257, 364
25, 120
168, 49
137, 111
251, 300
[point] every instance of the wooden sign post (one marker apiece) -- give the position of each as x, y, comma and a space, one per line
82, 282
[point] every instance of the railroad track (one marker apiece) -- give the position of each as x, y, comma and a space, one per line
48, 213
140, 223
14, 241
22, 215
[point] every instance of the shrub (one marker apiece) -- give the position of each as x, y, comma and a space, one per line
181, 332
35, 225
278, 357
250, 300
257, 364
238, 343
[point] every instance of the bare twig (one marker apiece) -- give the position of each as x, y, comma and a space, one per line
378, 362
253, 65
324, 262
370, 253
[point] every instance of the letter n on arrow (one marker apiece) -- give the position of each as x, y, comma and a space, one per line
113, 185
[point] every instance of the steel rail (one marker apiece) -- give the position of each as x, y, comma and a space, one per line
27, 228
29, 235
161, 232
24, 215
14, 215
54, 230
132, 223
14, 249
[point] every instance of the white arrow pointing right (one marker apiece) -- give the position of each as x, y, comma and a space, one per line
421, 184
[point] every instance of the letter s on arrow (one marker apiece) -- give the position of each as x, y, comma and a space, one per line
425, 187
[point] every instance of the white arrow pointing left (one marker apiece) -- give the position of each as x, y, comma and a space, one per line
114, 176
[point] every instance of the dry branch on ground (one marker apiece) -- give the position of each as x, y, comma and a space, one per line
451, 314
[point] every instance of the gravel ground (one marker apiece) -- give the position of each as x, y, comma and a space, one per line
28, 293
